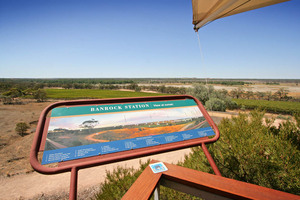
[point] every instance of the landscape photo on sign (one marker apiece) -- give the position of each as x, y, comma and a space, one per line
122, 127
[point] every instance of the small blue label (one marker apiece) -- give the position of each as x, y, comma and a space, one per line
158, 167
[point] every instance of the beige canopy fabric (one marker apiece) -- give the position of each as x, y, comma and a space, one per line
205, 11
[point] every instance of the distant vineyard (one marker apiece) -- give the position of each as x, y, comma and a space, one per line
93, 94
285, 107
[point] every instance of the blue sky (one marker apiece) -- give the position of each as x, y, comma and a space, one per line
144, 39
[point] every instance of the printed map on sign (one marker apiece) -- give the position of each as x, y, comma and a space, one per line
84, 131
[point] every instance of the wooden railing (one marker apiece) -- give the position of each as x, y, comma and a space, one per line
200, 184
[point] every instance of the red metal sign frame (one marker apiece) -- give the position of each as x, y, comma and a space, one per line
74, 165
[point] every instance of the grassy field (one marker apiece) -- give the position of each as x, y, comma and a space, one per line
285, 107
94, 94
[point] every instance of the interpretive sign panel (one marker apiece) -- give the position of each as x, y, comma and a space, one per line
90, 130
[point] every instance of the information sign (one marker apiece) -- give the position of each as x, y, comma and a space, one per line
82, 131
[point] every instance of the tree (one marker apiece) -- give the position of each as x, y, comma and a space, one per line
21, 128
67, 86
224, 92
281, 93
233, 93
162, 89
268, 95
260, 95
215, 104
40, 95
249, 94
200, 92
137, 89
132, 86
13, 93
239, 92
211, 98
6, 100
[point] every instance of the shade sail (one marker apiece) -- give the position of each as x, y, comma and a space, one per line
205, 11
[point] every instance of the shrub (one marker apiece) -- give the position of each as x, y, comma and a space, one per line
40, 95
215, 104
211, 98
21, 128
290, 131
249, 151
200, 92
119, 181
7, 100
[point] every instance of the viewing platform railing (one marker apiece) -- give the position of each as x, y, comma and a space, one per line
199, 184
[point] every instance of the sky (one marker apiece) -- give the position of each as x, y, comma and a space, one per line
145, 39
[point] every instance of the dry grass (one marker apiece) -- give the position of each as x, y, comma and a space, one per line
14, 149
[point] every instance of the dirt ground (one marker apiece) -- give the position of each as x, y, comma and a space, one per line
14, 149
17, 179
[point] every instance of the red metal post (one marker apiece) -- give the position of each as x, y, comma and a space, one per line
210, 160
73, 184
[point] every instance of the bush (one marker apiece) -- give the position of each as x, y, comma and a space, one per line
211, 98
200, 92
21, 128
290, 131
215, 104
40, 95
119, 181
250, 151
7, 100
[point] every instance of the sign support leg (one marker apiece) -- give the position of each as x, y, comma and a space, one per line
73, 184
210, 160
156, 192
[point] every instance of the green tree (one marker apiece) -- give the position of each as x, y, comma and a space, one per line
13, 93
200, 92
6, 100
237, 93
282, 94
137, 89
162, 89
268, 95
132, 86
40, 95
249, 94
21, 128
67, 86
215, 104
260, 95
224, 92
211, 98
233, 93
